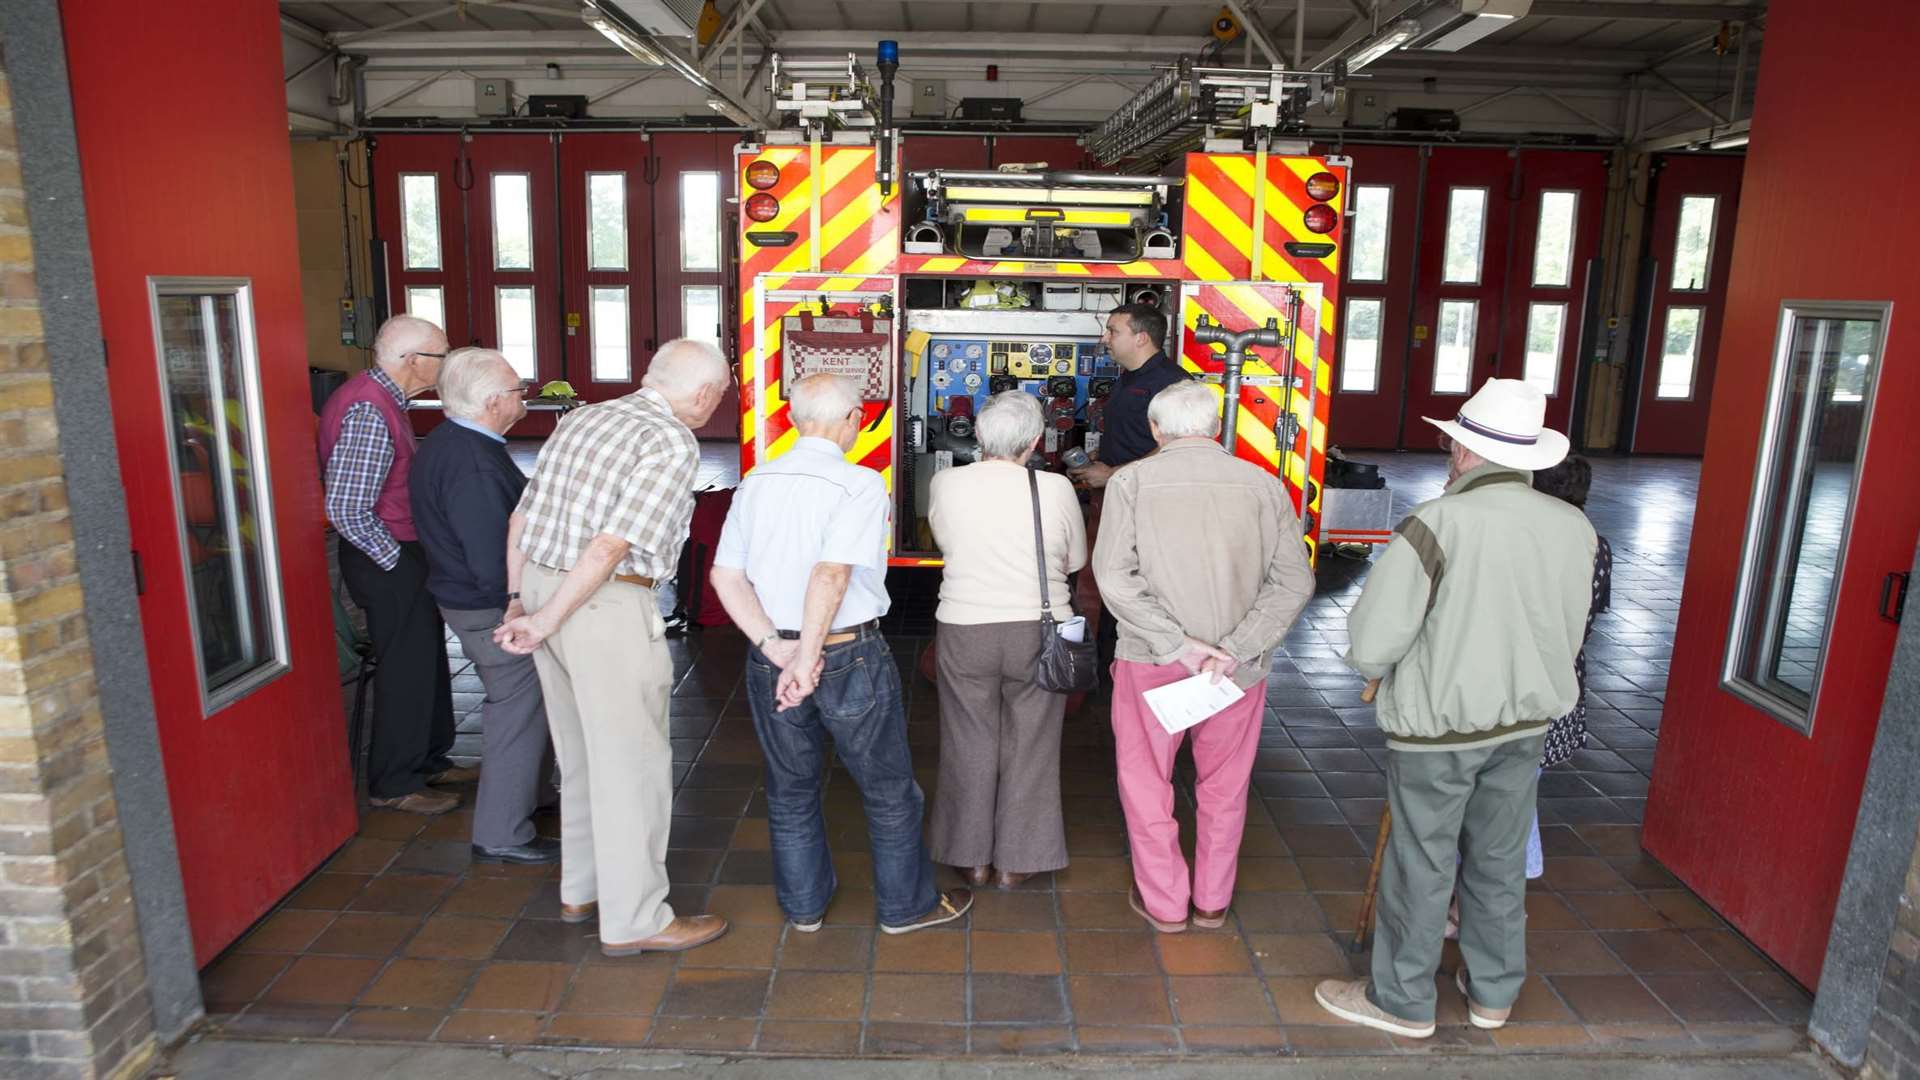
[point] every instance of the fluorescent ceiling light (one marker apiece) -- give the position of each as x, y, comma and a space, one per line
1729, 142
1390, 39
634, 47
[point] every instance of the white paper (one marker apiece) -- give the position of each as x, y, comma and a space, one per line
1074, 629
1178, 706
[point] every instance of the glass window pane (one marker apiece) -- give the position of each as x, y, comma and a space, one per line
1360, 346
1693, 248
1546, 332
1553, 246
1466, 230
612, 359
607, 221
1679, 353
700, 312
1372, 214
429, 303
1453, 347
209, 376
512, 222
514, 308
420, 220
700, 221
1801, 510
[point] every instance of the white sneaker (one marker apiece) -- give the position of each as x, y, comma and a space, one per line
1349, 1002
808, 927
1484, 1018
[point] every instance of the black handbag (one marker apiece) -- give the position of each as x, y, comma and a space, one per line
1062, 666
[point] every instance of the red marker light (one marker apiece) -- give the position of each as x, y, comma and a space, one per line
764, 207
1321, 218
763, 174
1322, 186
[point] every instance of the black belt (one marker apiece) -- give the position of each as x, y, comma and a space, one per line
838, 634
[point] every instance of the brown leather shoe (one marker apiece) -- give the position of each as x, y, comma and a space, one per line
976, 876
1209, 920
459, 774
683, 933
1007, 879
579, 913
1139, 907
420, 802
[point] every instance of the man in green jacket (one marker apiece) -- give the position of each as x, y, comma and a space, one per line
1469, 622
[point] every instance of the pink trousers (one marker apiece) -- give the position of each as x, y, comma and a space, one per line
1223, 750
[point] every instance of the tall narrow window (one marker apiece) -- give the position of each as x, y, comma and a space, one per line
1546, 334
428, 302
1372, 216
700, 221
612, 359
1360, 346
420, 220
1693, 247
1466, 234
1553, 244
512, 222
700, 312
514, 309
1679, 353
1453, 347
1797, 531
209, 381
606, 221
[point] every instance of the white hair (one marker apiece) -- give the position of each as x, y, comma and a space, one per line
1007, 425
470, 376
1186, 409
401, 335
822, 399
685, 366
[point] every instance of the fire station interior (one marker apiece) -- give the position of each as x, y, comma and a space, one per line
1676, 218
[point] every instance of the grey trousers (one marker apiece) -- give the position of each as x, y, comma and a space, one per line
1459, 814
516, 731
998, 801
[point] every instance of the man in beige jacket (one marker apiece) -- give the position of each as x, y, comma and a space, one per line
1201, 559
1469, 623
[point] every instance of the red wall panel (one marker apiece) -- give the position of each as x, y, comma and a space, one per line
180, 112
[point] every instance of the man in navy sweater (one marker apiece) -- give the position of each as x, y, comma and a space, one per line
465, 486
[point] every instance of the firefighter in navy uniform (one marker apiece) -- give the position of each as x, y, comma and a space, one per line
1135, 336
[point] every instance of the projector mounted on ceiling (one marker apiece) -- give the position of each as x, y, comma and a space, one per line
1455, 24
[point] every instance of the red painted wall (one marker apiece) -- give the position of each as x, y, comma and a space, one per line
181, 118
1755, 817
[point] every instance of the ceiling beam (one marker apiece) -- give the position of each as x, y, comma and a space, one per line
1630, 12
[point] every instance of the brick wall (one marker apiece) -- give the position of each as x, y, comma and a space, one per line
1893, 1042
73, 985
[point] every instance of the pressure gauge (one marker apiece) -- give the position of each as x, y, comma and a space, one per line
974, 352
957, 364
941, 350
1039, 352
973, 382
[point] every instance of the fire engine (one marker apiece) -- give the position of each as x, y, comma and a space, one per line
940, 288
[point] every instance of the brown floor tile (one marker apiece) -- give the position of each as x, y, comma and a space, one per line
434, 857
502, 1028
1569, 952
741, 947
1658, 950
322, 980
238, 979
328, 891
1263, 1040
548, 940
1282, 912
716, 992
1018, 999
1298, 954
617, 988
454, 825
1541, 1037
1786, 1001
919, 998
411, 983
745, 905
1583, 875
810, 1038
1346, 1039
832, 948
1204, 954
1545, 911
286, 931
458, 937
286, 1021
402, 894
1212, 999
1111, 953
915, 1039
1016, 953
1610, 999
1341, 909
1096, 874
1293, 997
1615, 911
815, 995
1128, 1040
1537, 1004
390, 1025
996, 910
1268, 875
364, 856
1335, 875
1683, 909
1128, 1000
1644, 873
1329, 841
851, 907
1729, 950
1611, 840
751, 835
520, 987
1089, 840
390, 825
499, 898
357, 934
1020, 1040
1097, 911
1455, 1039
598, 1030
1707, 999
929, 951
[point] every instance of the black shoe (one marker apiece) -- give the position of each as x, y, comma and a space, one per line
538, 850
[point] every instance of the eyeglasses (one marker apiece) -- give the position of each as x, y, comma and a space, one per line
435, 355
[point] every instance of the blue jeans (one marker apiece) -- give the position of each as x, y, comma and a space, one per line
858, 704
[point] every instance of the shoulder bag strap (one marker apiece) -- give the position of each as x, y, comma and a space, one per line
1040, 548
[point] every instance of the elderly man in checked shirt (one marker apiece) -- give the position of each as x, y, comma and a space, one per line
599, 525
366, 456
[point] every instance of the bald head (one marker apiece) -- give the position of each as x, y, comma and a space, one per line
409, 349
692, 375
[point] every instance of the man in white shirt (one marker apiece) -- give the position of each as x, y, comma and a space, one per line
801, 568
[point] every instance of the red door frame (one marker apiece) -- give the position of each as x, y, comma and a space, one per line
1680, 426
1371, 418
1541, 171
679, 153
533, 155
437, 155
629, 155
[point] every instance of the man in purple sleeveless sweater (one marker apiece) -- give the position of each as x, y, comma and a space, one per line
366, 456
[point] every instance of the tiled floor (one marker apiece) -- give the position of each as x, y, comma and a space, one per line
401, 938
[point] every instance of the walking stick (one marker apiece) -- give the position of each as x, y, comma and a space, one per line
1365, 924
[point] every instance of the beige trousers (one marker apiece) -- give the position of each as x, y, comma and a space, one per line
606, 676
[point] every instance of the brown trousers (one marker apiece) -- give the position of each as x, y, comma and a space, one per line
998, 800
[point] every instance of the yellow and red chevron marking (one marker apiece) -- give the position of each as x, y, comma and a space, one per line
859, 227
957, 266
1239, 306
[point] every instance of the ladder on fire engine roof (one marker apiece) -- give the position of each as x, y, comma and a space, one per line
824, 93
1187, 104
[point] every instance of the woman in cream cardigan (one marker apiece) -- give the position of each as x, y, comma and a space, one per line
998, 802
